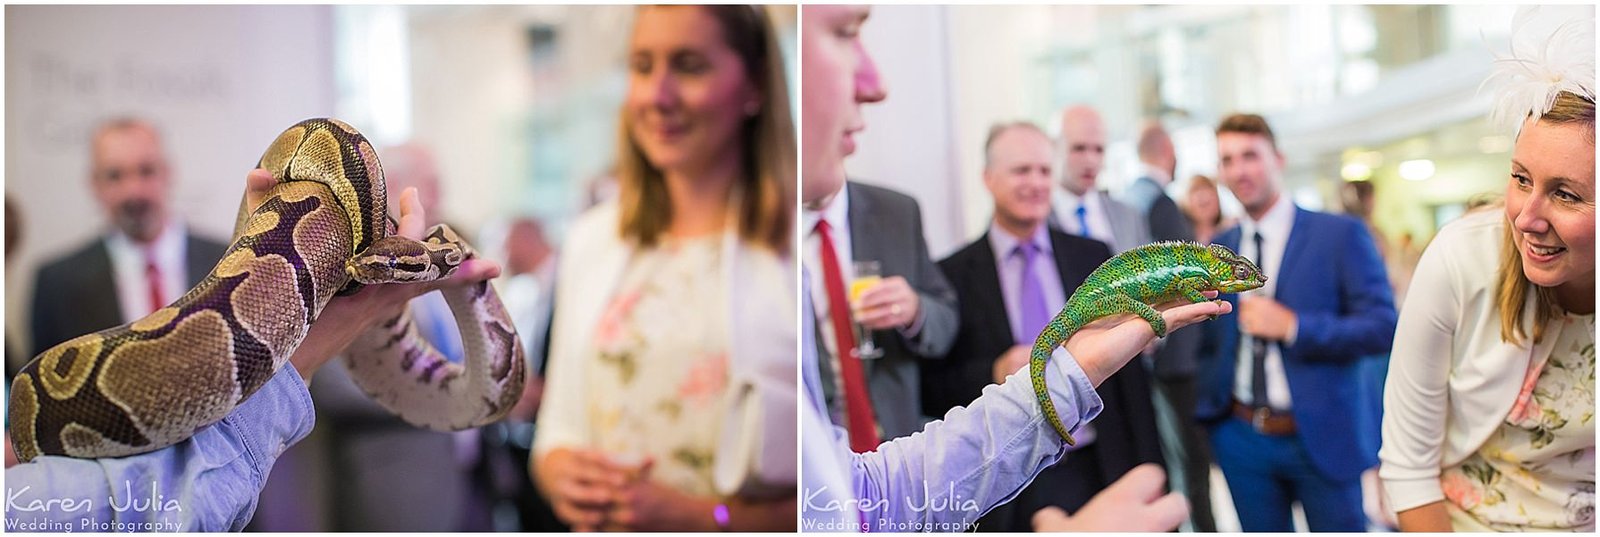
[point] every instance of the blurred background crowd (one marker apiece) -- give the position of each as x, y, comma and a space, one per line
1382, 94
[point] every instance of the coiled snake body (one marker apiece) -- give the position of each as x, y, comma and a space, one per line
323, 230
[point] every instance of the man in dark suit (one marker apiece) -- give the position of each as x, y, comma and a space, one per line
910, 314
1010, 283
1281, 379
1176, 357
144, 262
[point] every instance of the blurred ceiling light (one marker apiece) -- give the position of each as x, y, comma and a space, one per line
1490, 145
1416, 170
1355, 171
1357, 33
1359, 75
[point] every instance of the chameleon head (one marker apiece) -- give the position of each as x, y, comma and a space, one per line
1233, 273
398, 259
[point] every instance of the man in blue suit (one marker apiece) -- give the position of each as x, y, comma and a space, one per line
1282, 379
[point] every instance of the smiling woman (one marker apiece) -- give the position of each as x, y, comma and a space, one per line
1496, 434
671, 378
1550, 203
705, 116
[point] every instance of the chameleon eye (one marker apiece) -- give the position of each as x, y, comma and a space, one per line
1240, 273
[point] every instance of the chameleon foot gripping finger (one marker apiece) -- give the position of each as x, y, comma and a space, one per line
1131, 283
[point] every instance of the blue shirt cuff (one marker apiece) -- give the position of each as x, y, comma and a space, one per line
1072, 387
274, 418
911, 331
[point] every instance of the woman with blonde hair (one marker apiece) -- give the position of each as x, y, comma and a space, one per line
1489, 406
671, 388
1203, 205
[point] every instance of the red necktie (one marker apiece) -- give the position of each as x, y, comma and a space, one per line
862, 426
152, 275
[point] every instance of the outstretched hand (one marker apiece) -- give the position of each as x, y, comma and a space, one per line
1105, 345
346, 317
1133, 503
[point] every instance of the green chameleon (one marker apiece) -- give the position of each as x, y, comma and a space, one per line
1130, 283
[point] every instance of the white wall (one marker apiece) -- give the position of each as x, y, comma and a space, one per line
490, 111
909, 143
220, 81
951, 73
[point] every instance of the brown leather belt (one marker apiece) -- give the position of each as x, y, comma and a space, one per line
1264, 420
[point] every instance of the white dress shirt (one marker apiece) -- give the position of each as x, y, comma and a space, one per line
1065, 204
837, 214
1274, 228
128, 260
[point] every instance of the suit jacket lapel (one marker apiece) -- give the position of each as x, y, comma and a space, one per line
860, 214
108, 311
1119, 222
994, 300
1228, 237
1293, 251
1068, 284
195, 262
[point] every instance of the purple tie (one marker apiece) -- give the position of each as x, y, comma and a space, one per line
1034, 313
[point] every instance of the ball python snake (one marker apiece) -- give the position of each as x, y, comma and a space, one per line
323, 230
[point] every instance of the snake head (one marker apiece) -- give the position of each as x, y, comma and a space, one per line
1232, 272
397, 259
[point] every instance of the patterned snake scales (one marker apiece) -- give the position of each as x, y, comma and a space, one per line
323, 230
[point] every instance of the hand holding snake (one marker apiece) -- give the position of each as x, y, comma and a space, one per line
322, 228
347, 317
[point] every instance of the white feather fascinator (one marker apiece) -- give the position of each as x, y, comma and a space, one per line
1552, 50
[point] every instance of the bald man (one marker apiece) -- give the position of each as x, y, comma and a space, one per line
1080, 207
144, 260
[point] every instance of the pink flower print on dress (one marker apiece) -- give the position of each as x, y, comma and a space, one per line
1525, 410
1460, 490
706, 380
1525, 405
609, 333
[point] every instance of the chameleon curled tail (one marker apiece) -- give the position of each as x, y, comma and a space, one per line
1131, 283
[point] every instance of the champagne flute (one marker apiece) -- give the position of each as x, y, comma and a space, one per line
867, 274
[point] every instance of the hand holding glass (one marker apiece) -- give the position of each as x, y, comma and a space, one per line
867, 274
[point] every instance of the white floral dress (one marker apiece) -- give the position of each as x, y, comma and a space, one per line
657, 387
1537, 471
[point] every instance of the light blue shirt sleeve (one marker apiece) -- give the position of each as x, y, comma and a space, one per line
949, 474
209, 482
977, 457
